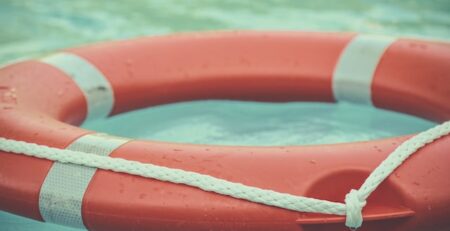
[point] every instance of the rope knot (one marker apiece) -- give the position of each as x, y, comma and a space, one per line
354, 204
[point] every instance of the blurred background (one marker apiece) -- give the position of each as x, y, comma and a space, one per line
36, 27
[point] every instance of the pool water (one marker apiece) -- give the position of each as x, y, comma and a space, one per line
33, 28
261, 124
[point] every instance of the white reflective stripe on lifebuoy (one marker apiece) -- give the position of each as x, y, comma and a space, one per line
61, 194
95, 87
354, 71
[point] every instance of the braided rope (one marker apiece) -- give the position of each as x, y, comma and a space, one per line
354, 201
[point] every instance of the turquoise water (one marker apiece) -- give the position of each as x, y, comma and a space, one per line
34, 28
262, 124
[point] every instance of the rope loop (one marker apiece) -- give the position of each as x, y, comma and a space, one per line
354, 204
355, 200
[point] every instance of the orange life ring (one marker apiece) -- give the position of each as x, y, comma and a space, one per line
42, 101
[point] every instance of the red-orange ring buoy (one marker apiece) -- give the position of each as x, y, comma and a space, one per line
42, 101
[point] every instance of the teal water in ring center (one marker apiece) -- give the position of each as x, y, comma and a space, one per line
219, 122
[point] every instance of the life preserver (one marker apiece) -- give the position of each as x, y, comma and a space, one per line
42, 101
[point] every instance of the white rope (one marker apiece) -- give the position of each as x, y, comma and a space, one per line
354, 201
